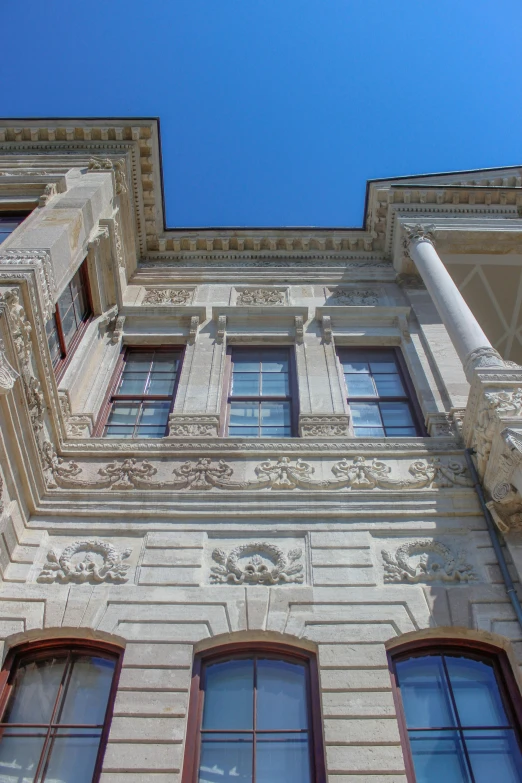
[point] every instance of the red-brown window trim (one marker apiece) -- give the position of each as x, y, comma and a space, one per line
243, 650
227, 382
404, 374
67, 353
466, 648
46, 648
105, 408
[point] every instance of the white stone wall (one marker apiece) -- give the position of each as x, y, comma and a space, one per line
375, 540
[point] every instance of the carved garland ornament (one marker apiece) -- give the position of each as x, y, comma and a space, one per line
167, 296
281, 569
204, 474
60, 567
260, 297
436, 563
354, 297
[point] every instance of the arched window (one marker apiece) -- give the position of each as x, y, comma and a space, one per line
56, 705
459, 713
254, 717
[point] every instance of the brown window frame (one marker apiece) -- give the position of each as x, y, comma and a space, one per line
67, 352
47, 648
293, 397
282, 652
508, 686
106, 406
410, 396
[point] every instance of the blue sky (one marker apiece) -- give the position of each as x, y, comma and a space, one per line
276, 112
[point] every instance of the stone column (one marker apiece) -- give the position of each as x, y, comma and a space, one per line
471, 344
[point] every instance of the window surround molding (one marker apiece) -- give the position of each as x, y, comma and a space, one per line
254, 647
461, 642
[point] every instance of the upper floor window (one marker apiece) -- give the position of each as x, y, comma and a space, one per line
459, 717
260, 400
56, 707
72, 313
8, 222
141, 394
381, 399
255, 719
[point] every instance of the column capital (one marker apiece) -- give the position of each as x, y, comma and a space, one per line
417, 233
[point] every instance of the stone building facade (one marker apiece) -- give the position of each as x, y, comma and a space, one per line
267, 510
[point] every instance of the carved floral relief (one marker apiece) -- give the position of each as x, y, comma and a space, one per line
93, 561
260, 297
426, 561
353, 296
168, 296
257, 563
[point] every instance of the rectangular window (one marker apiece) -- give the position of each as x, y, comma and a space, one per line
379, 393
72, 313
260, 398
8, 222
142, 394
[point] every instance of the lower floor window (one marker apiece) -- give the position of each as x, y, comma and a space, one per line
56, 713
256, 723
459, 719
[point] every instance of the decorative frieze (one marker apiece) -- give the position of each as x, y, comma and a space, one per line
324, 426
93, 561
260, 297
8, 374
168, 296
257, 563
183, 425
426, 560
353, 296
283, 473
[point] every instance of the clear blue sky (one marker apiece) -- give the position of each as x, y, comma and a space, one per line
276, 112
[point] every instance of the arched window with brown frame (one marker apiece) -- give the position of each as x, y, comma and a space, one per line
254, 717
56, 703
460, 712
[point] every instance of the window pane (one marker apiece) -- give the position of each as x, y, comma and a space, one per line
118, 432
226, 758
244, 413
389, 385
275, 413
138, 361
274, 384
368, 432
73, 756
156, 413
281, 695
365, 414
132, 382
438, 757
282, 758
401, 432
65, 301
19, 756
88, 690
425, 693
359, 385
354, 366
245, 384
81, 305
274, 361
243, 432
383, 366
494, 756
165, 362
396, 414
161, 383
476, 692
68, 325
229, 695
34, 691
124, 413
246, 362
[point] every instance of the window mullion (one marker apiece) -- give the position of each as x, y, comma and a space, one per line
457, 718
50, 735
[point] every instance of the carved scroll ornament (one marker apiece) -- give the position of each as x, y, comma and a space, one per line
436, 563
280, 569
101, 563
